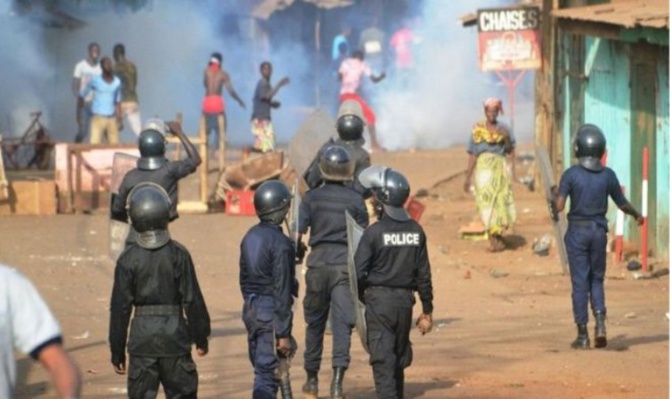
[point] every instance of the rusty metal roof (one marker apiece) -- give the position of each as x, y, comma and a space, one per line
629, 14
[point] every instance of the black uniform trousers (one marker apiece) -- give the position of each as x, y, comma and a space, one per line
388, 315
328, 289
177, 374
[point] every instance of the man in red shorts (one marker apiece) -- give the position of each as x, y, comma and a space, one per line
215, 78
350, 73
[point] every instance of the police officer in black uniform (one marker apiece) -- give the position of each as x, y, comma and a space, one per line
154, 167
589, 184
155, 276
268, 284
391, 263
350, 125
322, 211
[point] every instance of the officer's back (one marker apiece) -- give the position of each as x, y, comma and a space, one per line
264, 249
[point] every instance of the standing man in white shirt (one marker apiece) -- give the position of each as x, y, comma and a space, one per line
83, 72
27, 325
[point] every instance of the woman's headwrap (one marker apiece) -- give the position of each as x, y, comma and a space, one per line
494, 103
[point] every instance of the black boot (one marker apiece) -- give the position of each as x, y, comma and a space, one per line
311, 386
600, 331
582, 341
336, 389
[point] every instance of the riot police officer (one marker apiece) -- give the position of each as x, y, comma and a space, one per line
156, 277
589, 184
154, 167
322, 212
350, 126
268, 284
391, 263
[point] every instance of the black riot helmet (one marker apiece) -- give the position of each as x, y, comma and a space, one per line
152, 149
335, 164
350, 121
272, 200
149, 211
350, 127
390, 188
590, 146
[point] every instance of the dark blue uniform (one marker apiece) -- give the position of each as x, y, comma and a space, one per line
322, 211
267, 281
586, 238
391, 264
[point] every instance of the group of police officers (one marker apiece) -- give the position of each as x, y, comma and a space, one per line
155, 280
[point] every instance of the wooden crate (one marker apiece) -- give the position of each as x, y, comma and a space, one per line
30, 197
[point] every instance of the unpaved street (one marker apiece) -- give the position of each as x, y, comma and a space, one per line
503, 321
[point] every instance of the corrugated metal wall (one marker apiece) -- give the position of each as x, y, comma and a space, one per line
607, 101
663, 157
573, 91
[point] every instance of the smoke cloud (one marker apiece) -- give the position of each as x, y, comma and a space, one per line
444, 99
170, 41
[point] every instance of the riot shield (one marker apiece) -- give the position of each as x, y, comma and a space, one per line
317, 129
354, 233
294, 212
118, 231
547, 175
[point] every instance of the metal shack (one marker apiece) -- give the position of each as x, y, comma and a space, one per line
611, 69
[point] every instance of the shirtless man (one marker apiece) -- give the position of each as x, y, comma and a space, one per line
213, 105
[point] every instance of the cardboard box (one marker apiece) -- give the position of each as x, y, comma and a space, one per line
30, 197
240, 203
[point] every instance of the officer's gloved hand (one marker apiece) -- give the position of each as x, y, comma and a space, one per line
300, 250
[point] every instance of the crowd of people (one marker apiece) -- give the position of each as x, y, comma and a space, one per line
106, 89
155, 283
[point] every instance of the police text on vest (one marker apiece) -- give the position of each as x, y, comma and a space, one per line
401, 239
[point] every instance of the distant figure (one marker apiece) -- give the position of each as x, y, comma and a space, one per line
372, 43
83, 72
342, 37
106, 106
27, 325
261, 124
351, 71
402, 42
127, 72
334, 85
213, 105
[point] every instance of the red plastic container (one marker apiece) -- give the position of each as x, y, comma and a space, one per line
240, 203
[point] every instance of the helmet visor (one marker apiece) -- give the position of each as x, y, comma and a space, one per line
373, 176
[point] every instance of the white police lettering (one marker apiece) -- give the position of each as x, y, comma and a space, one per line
400, 239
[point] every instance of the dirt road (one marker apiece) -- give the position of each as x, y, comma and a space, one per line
503, 321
